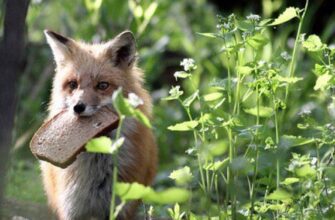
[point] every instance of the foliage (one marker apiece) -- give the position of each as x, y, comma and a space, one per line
246, 130
248, 108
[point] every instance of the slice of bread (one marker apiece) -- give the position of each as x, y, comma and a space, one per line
60, 139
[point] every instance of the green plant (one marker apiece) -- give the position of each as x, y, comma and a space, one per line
230, 146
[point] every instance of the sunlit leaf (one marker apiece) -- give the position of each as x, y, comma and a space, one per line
181, 74
290, 180
263, 111
217, 165
257, 41
244, 69
150, 11
290, 80
216, 148
184, 126
141, 117
323, 81
213, 96
280, 195
123, 107
168, 196
210, 35
175, 93
135, 191
188, 101
132, 191
100, 145
93, 5
287, 15
320, 69
305, 171
313, 43
120, 103
182, 176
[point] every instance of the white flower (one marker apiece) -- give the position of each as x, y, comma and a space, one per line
188, 64
253, 17
134, 100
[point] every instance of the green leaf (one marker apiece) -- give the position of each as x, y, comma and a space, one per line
215, 166
175, 93
99, 145
184, 126
313, 43
175, 212
150, 11
134, 191
218, 104
216, 148
244, 70
168, 196
265, 112
287, 15
93, 5
290, 80
182, 176
323, 81
280, 195
188, 101
148, 14
121, 104
141, 118
123, 107
181, 74
213, 96
210, 35
305, 171
245, 25
290, 180
257, 41
294, 141
320, 69
117, 144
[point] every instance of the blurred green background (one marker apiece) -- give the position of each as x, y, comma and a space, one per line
166, 32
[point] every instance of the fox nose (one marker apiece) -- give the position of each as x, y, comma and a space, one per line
79, 108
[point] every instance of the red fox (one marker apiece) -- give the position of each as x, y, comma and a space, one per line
85, 79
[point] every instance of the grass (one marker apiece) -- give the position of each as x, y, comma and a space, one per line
24, 182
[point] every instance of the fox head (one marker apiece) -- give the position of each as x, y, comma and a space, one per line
88, 74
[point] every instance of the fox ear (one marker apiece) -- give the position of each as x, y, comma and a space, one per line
60, 46
122, 50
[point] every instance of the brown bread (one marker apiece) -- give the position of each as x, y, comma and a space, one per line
60, 139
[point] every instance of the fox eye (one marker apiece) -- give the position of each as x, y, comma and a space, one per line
73, 84
102, 85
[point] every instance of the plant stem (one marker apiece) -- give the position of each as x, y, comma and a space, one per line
294, 54
115, 171
229, 80
257, 156
277, 142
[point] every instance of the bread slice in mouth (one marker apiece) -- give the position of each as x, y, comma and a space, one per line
60, 139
